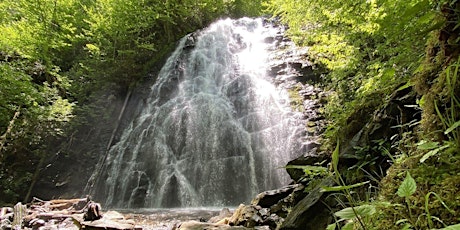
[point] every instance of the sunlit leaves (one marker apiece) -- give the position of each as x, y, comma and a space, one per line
368, 47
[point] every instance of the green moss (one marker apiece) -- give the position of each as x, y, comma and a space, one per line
441, 179
296, 99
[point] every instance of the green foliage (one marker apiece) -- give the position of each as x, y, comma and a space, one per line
343, 187
427, 210
407, 187
62, 60
309, 169
354, 212
335, 158
451, 118
451, 227
296, 100
369, 48
373, 49
434, 148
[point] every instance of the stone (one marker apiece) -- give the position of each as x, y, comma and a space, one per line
264, 227
93, 212
268, 198
4, 212
244, 216
224, 213
309, 213
381, 125
264, 212
110, 220
319, 159
69, 224
7, 216
190, 41
273, 221
105, 223
195, 225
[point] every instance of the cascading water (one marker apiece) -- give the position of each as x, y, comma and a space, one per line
215, 130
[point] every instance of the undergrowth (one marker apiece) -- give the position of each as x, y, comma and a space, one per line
372, 50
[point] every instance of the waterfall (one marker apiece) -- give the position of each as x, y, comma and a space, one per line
214, 131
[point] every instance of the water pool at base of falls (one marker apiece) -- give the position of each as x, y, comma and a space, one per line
166, 219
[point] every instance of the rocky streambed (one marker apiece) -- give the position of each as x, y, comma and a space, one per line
267, 211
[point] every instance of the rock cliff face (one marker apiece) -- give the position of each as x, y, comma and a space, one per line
300, 205
309, 207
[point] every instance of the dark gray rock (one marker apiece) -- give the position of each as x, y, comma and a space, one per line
195, 225
309, 213
319, 159
93, 212
269, 198
382, 125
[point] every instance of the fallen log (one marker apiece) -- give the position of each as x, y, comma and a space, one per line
74, 205
71, 201
63, 213
6, 213
19, 211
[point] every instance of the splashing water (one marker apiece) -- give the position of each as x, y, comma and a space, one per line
215, 130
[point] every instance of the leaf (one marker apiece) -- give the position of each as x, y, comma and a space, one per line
348, 226
452, 227
331, 226
407, 226
335, 157
340, 188
405, 86
401, 221
432, 153
427, 145
307, 168
92, 48
362, 210
412, 11
437, 25
451, 128
407, 187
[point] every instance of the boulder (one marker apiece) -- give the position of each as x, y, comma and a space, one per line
195, 225
269, 198
110, 220
319, 159
246, 215
223, 216
93, 212
310, 213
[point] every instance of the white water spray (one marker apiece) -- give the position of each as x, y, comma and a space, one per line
215, 130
